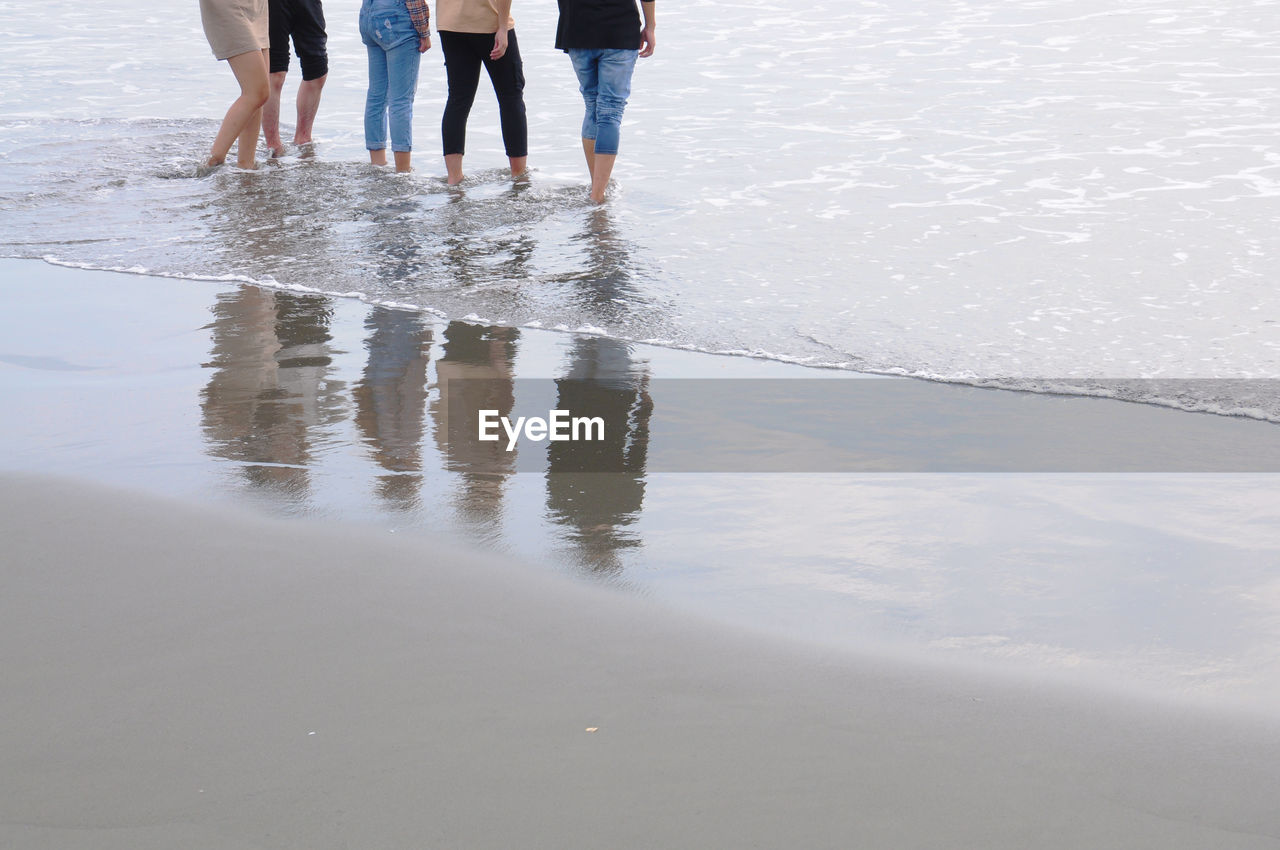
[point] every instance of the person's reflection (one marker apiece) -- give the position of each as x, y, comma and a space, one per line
485, 355
270, 396
391, 401
391, 249
605, 286
488, 243
277, 223
596, 489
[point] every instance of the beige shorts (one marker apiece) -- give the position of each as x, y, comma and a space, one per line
235, 26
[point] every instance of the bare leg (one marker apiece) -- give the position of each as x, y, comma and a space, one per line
246, 113
308, 104
518, 164
402, 160
271, 115
247, 144
589, 148
378, 157
453, 164
600, 175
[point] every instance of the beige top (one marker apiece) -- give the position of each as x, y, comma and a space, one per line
235, 26
469, 16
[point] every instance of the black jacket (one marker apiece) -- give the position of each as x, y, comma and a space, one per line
604, 24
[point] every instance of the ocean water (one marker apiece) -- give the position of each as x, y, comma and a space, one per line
1039, 194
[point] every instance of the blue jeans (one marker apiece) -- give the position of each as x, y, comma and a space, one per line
604, 77
388, 34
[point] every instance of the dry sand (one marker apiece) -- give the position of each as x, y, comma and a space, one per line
184, 677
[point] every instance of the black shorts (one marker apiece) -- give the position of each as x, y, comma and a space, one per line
303, 20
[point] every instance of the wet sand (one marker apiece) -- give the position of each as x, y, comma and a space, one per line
180, 676
294, 404
238, 612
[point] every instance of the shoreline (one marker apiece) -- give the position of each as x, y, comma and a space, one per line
1105, 389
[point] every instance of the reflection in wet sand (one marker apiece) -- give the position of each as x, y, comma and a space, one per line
485, 353
604, 380
275, 394
391, 401
596, 506
270, 399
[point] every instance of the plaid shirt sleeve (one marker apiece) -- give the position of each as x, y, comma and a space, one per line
420, 13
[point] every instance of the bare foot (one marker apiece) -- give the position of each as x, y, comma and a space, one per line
453, 165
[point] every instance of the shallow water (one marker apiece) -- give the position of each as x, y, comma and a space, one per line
1014, 193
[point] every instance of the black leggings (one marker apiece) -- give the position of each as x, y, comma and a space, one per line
464, 53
